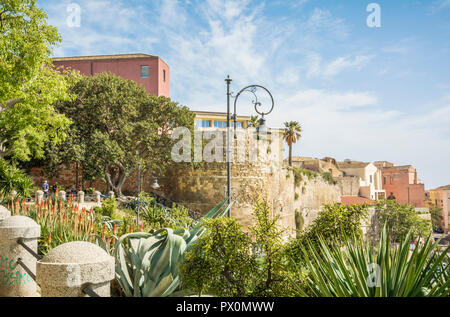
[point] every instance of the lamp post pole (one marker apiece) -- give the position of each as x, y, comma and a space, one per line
228, 80
252, 89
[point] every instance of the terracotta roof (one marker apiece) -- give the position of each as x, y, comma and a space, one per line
356, 200
352, 164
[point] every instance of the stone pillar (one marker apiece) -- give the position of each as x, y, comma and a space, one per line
69, 267
111, 194
98, 197
62, 195
14, 280
4, 213
40, 195
80, 197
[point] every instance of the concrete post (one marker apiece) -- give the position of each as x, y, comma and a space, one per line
14, 280
40, 195
80, 197
62, 195
98, 197
69, 267
111, 194
4, 213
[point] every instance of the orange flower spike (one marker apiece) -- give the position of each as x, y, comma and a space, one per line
115, 229
141, 227
49, 238
104, 229
131, 228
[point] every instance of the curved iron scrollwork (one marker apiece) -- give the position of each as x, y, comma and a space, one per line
257, 104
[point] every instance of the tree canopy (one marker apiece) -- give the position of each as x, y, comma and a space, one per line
115, 125
29, 85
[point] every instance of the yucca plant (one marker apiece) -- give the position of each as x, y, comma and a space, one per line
360, 269
147, 265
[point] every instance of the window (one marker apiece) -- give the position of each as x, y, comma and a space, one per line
144, 71
371, 179
220, 124
164, 75
238, 124
223, 124
384, 180
203, 123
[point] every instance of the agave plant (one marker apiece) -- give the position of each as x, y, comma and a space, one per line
362, 270
147, 265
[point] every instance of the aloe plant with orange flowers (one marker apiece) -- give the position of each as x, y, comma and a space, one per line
63, 221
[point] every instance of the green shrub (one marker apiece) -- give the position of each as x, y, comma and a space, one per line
296, 196
335, 223
400, 219
108, 208
13, 178
299, 175
228, 262
329, 178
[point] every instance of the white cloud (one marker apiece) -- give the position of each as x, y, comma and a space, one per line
334, 67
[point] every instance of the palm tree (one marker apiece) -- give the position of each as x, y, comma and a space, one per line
254, 122
291, 135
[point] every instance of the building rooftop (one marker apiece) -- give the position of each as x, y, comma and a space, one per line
104, 57
302, 158
446, 187
400, 167
383, 164
214, 114
352, 164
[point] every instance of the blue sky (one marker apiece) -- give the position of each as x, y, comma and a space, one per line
361, 93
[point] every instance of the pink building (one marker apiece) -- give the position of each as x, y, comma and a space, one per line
402, 181
146, 70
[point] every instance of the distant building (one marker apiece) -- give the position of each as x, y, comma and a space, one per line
324, 165
210, 119
369, 178
146, 70
441, 198
402, 181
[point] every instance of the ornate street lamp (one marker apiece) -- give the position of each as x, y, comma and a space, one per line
262, 128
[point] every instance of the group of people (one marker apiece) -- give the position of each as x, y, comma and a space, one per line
46, 187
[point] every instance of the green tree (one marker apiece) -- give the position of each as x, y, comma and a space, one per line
400, 219
29, 86
334, 224
291, 135
115, 125
229, 262
436, 216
